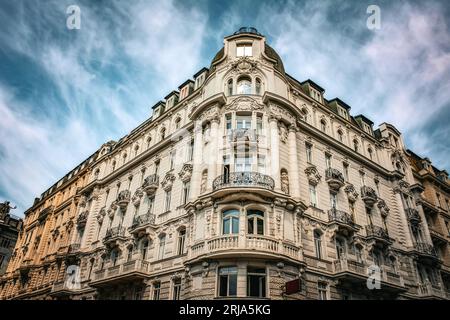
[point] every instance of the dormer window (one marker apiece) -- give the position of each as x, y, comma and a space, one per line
244, 50
367, 128
184, 92
343, 113
199, 81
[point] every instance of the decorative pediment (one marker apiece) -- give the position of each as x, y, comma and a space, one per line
244, 104
186, 172
313, 175
351, 192
168, 181
281, 113
209, 114
403, 186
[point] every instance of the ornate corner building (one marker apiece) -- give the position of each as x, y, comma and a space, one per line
10, 227
244, 183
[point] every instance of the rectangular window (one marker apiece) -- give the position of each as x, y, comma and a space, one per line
181, 241
162, 247
244, 50
256, 282
243, 122
333, 200
167, 200
346, 172
156, 290
191, 150
261, 164
322, 289
259, 124
151, 202
313, 195
362, 178
176, 293
172, 159
228, 122
186, 187
156, 167
243, 163
328, 161
227, 281
308, 153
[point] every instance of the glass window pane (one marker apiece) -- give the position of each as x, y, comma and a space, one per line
235, 225
232, 290
226, 226
250, 225
223, 286
260, 226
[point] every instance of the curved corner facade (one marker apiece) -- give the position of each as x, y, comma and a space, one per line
244, 183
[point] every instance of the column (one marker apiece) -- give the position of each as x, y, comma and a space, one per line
294, 185
212, 156
274, 152
197, 162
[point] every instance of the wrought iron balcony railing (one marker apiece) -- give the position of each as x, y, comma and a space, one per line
244, 179
378, 232
143, 219
334, 178
114, 232
335, 215
426, 248
413, 215
368, 195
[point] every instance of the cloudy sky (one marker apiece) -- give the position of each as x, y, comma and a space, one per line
65, 92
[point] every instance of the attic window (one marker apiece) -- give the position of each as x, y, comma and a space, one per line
343, 113
244, 50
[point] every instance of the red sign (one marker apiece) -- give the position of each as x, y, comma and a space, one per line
293, 286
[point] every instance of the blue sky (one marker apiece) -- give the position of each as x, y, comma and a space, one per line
65, 92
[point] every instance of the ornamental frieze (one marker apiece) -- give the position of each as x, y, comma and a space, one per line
168, 181
244, 104
313, 175
186, 172
281, 113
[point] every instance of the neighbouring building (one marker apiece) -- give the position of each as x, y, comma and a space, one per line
243, 183
10, 226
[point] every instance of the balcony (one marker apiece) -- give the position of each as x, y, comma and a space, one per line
150, 184
343, 220
335, 179
74, 248
368, 195
243, 180
378, 234
121, 273
413, 216
62, 289
44, 212
114, 234
82, 219
123, 199
248, 245
142, 221
242, 136
353, 271
431, 291
426, 251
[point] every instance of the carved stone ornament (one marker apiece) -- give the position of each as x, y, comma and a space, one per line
186, 172
136, 199
283, 131
281, 113
168, 181
244, 65
403, 186
384, 209
351, 192
209, 114
244, 104
313, 175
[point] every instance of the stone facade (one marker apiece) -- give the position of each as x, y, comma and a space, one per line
10, 227
241, 183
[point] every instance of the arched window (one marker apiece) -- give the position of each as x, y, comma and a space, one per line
340, 135
255, 222
136, 149
149, 140
163, 133
244, 86
177, 123
230, 87
355, 145
258, 86
370, 152
230, 222
323, 125
113, 165
318, 243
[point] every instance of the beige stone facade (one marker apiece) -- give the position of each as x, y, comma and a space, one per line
241, 181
